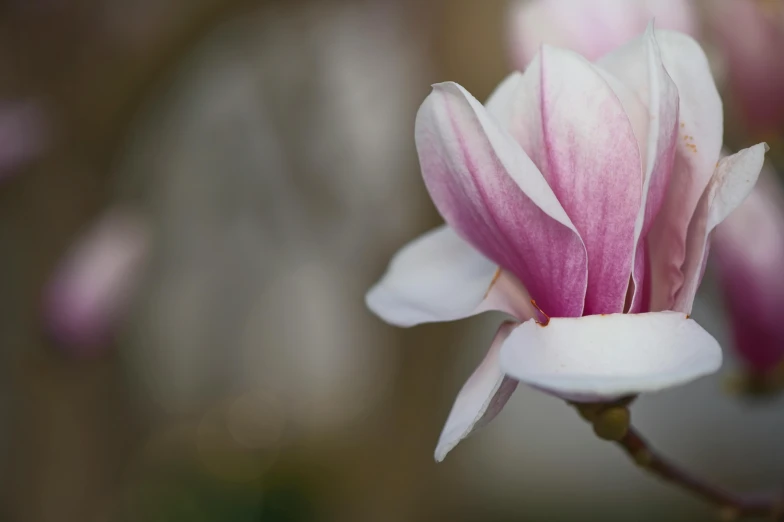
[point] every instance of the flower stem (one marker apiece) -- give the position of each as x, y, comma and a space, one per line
612, 422
732, 506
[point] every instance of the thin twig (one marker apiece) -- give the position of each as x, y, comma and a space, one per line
732, 505
612, 422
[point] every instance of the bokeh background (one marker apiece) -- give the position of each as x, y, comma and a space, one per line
246, 169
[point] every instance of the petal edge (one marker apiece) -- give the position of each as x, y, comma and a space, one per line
480, 399
603, 357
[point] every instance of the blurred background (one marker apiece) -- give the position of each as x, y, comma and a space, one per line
195, 196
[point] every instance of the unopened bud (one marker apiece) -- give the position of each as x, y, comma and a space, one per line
588, 411
612, 423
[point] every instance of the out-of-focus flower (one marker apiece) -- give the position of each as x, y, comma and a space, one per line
93, 286
748, 249
591, 189
590, 27
22, 135
751, 37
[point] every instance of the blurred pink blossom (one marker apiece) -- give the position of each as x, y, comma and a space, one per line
748, 250
750, 35
93, 286
590, 27
22, 135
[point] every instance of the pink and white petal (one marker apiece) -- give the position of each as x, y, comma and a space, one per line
439, 277
482, 397
635, 109
700, 108
638, 116
533, 23
698, 147
732, 182
492, 194
507, 294
639, 65
589, 28
592, 28
501, 101
603, 357
575, 129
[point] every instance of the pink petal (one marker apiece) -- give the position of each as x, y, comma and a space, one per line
603, 357
93, 287
590, 27
500, 104
675, 15
482, 397
490, 192
748, 249
575, 129
733, 180
699, 143
439, 277
639, 65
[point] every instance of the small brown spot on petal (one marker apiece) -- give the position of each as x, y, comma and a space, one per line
547, 317
492, 283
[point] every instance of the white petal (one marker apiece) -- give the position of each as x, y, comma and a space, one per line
439, 277
602, 357
639, 65
481, 398
731, 183
698, 147
500, 104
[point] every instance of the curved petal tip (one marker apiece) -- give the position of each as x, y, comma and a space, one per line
481, 398
436, 277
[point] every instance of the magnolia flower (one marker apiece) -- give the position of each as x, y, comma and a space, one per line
751, 38
590, 189
748, 249
92, 287
590, 27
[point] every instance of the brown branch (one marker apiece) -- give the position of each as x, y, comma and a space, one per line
732, 505
612, 422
